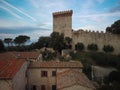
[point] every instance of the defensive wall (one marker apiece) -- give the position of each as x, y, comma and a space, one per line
99, 38
62, 23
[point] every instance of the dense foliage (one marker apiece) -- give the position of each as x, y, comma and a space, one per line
108, 48
8, 40
114, 28
2, 47
21, 39
79, 46
48, 55
92, 47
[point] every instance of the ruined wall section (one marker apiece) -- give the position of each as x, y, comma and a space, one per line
99, 38
62, 22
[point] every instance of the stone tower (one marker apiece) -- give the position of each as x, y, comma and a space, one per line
62, 22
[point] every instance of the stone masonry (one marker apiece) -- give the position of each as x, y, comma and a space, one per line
62, 23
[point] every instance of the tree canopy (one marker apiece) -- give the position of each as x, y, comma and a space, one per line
108, 48
21, 39
8, 40
57, 41
92, 47
79, 46
2, 48
114, 28
68, 41
43, 42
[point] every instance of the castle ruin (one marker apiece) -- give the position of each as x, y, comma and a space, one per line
62, 23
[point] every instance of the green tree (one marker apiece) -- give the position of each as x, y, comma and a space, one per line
8, 41
43, 42
108, 48
79, 46
57, 41
2, 47
21, 39
68, 41
92, 47
114, 28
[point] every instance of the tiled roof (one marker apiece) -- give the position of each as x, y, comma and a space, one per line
20, 55
73, 77
7, 55
25, 55
8, 68
55, 64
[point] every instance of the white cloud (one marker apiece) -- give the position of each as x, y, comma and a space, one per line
9, 11
18, 10
100, 15
13, 23
48, 6
98, 18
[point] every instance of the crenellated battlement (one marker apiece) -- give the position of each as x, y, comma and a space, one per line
62, 23
63, 13
90, 32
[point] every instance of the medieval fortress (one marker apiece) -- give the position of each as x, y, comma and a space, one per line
62, 23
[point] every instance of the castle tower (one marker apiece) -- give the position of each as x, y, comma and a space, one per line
62, 22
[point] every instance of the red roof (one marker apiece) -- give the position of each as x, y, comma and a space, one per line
25, 55
20, 55
8, 68
7, 55
72, 77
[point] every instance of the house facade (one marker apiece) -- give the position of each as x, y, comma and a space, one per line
13, 74
43, 75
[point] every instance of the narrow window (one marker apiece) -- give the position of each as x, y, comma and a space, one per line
43, 73
43, 87
53, 87
53, 73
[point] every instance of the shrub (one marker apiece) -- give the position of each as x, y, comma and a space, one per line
92, 47
79, 46
108, 48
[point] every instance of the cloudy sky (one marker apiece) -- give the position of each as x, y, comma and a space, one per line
34, 17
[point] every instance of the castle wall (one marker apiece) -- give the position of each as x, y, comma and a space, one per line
62, 23
99, 38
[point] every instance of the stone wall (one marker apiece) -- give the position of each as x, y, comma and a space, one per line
99, 38
62, 23
19, 81
35, 78
76, 87
6, 85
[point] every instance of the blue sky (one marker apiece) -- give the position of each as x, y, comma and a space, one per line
34, 17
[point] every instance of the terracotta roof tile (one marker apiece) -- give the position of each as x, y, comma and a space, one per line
73, 77
20, 55
7, 55
55, 64
25, 55
8, 68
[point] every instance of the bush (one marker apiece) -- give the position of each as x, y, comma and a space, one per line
108, 48
79, 46
48, 55
92, 47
